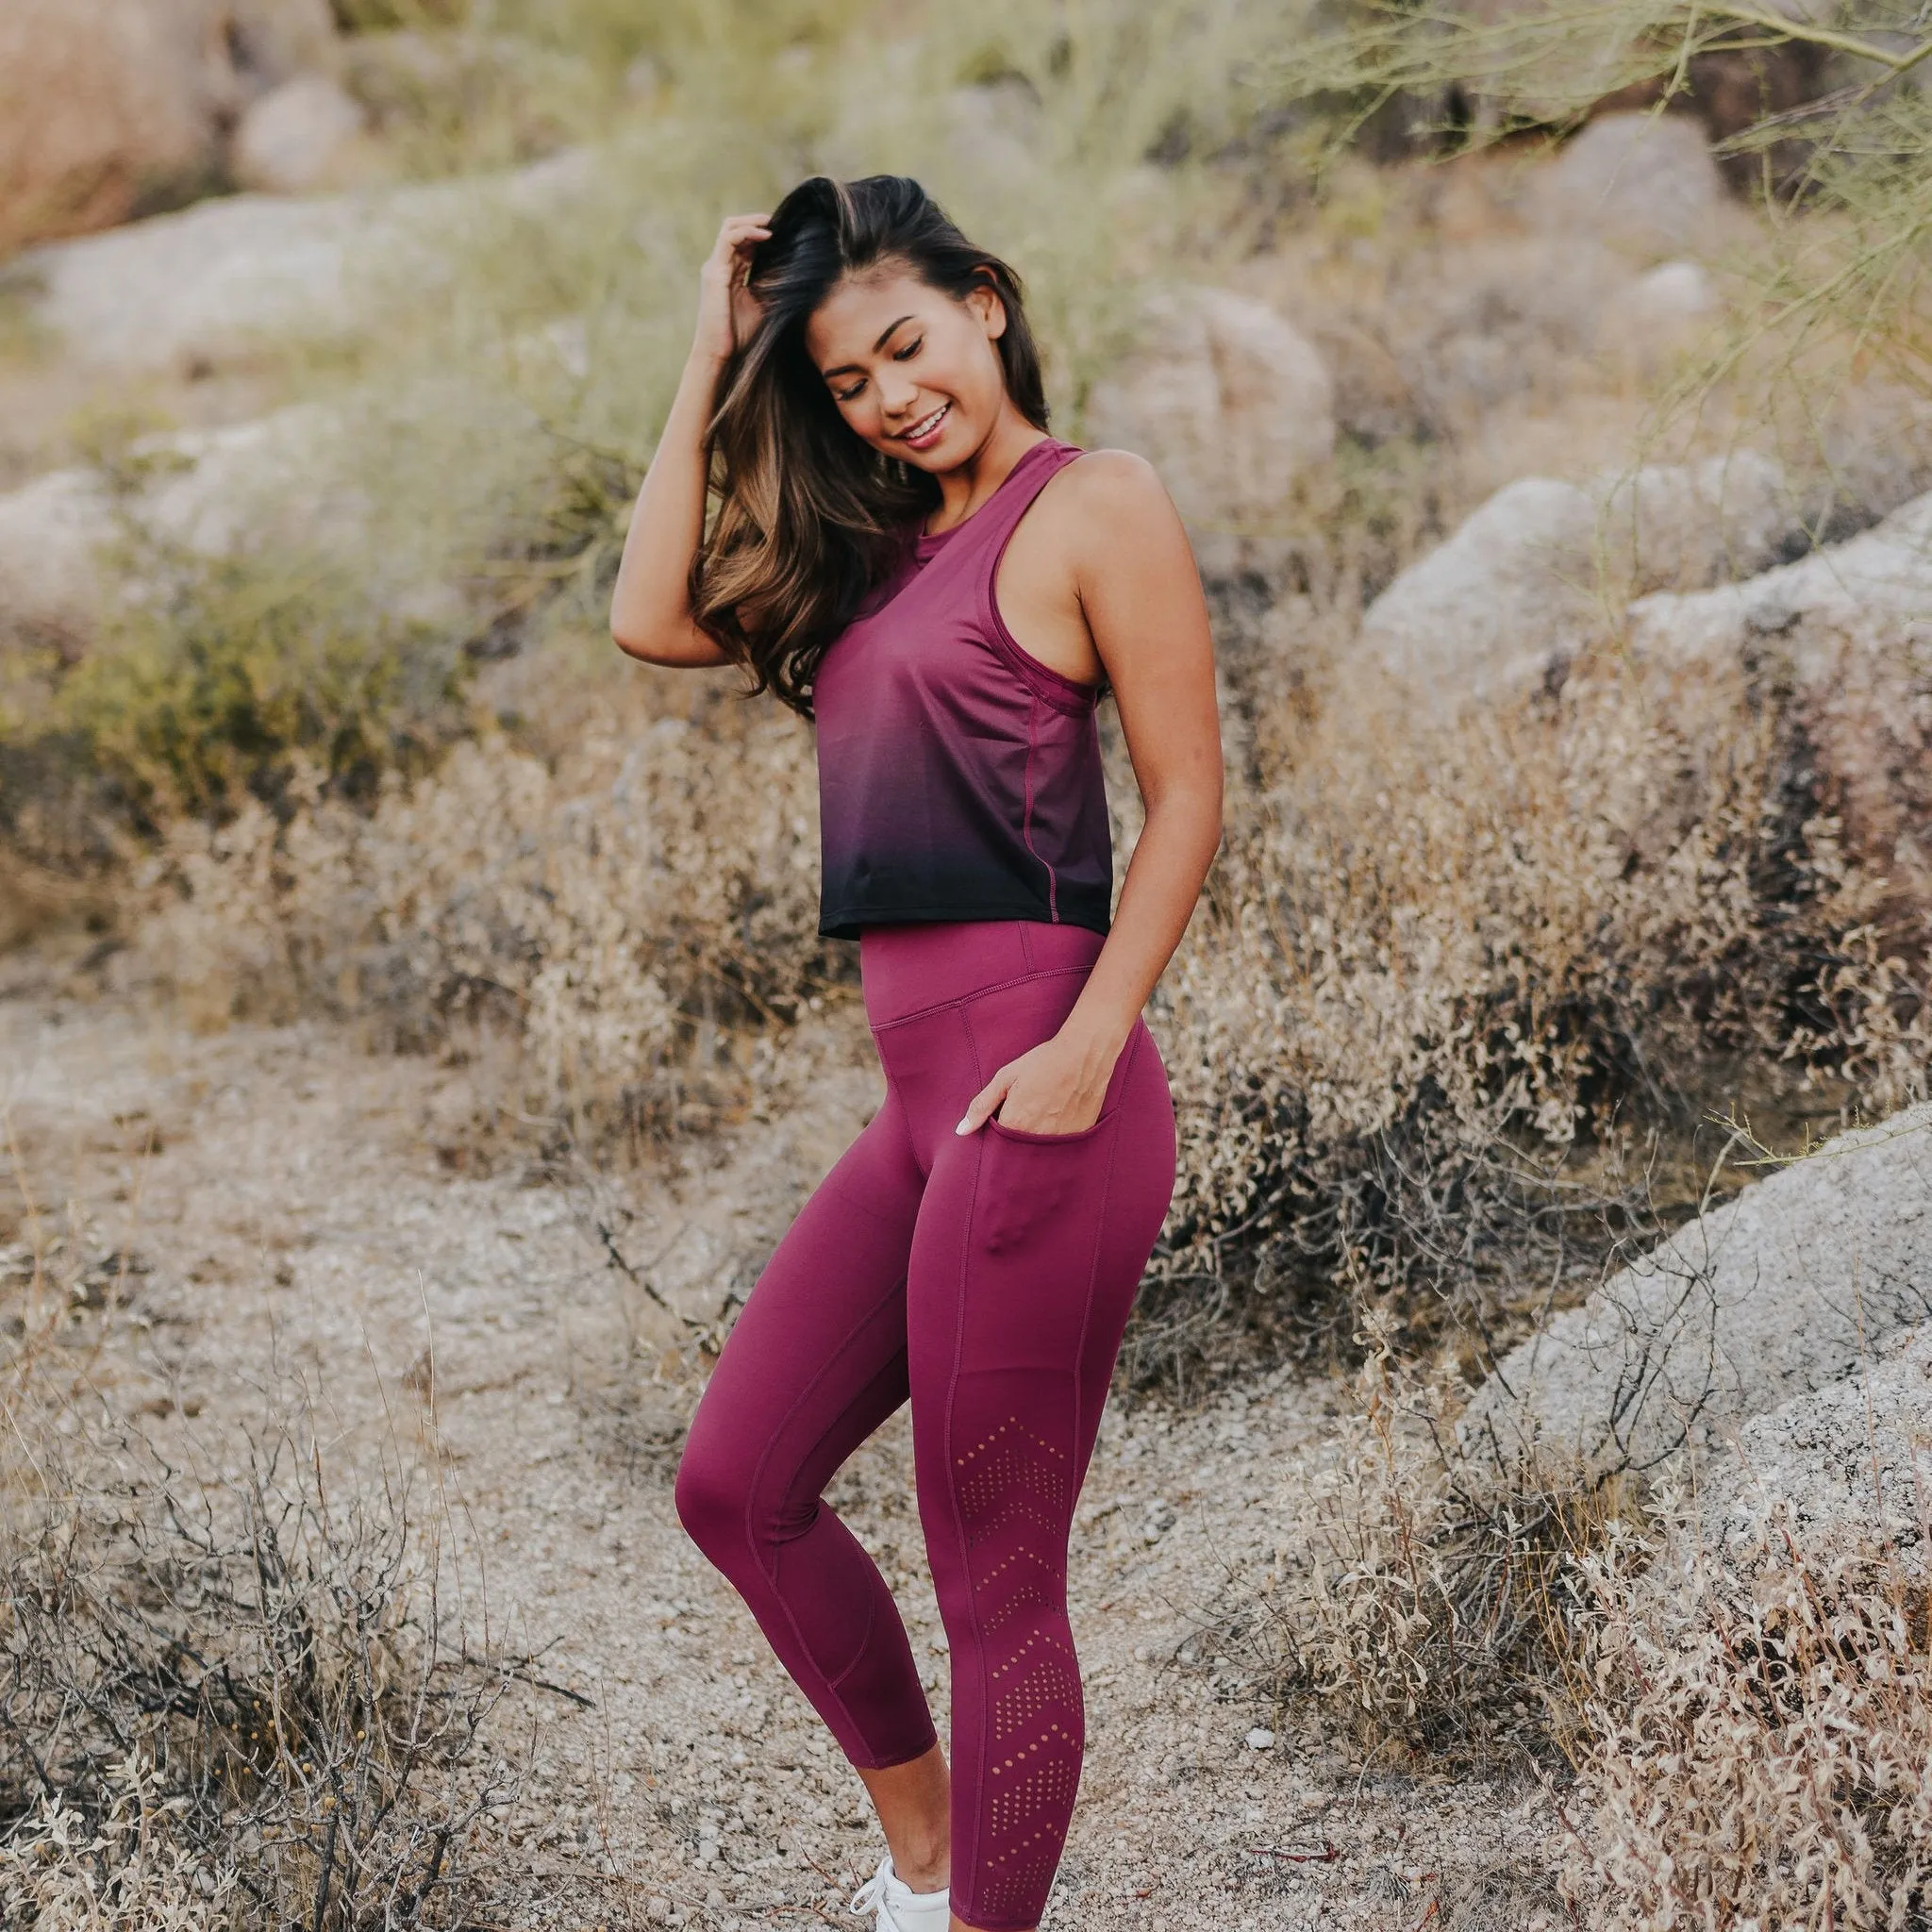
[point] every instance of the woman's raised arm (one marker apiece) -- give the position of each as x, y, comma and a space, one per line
650, 609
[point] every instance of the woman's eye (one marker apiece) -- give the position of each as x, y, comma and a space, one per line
911, 348
846, 395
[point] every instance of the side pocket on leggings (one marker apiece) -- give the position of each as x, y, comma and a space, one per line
1040, 1195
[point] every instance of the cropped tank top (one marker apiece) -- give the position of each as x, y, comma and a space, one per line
958, 776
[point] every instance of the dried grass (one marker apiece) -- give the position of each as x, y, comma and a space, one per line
1423, 1602
1758, 1754
1455, 976
642, 917
238, 1685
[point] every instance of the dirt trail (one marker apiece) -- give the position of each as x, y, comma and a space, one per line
286, 1196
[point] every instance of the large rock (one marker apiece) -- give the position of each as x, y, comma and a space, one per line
1846, 634
1227, 398
294, 138
1833, 1467
206, 285
110, 107
1648, 180
1776, 1295
1545, 565
1867, 589
194, 489
49, 534
391, 491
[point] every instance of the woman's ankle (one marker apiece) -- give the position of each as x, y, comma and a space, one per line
929, 1872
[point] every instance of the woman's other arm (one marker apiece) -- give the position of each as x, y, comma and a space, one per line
1140, 596
650, 609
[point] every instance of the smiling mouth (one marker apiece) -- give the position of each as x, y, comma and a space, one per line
924, 429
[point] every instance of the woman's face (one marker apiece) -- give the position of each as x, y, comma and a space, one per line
911, 369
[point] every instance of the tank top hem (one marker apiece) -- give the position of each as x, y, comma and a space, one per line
848, 922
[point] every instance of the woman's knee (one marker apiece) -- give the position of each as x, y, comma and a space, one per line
711, 1494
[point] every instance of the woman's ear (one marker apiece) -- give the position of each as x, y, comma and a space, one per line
984, 301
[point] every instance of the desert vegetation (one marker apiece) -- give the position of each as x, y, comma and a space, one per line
1545, 389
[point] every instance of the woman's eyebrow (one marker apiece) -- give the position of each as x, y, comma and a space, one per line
852, 368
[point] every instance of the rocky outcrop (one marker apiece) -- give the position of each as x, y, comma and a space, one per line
111, 106
50, 531
1865, 589
1838, 1464
1227, 398
1773, 1296
193, 490
1845, 636
294, 138
1646, 180
1545, 565
316, 487
203, 287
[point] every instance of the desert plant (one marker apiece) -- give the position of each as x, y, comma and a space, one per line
1454, 974
236, 1696
1756, 1748
1428, 1600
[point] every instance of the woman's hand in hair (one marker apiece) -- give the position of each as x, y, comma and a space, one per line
727, 311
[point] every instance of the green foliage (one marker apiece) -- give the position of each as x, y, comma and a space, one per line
204, 690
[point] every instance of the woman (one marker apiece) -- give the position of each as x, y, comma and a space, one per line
903, 554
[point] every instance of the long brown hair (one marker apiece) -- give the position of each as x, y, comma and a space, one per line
811, 516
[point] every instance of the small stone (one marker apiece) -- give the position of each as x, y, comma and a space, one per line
658, 1909
1260, 1740
714, 1900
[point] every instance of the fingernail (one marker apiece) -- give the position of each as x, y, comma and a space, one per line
965, 1127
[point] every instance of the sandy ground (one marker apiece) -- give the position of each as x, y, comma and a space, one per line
294, 1201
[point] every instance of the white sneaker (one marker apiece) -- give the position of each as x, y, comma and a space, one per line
898, 1907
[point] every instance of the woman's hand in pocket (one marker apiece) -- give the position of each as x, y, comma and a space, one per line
1057, 1087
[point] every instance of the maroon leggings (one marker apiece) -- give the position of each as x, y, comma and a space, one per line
987, 1276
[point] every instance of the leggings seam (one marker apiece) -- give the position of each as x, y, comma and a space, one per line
872, 1617
978, 992
831, 1360
952, 1489
1093, 1266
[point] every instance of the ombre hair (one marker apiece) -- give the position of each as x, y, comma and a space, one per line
811, 516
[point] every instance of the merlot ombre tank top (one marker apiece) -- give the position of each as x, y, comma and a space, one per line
959, 778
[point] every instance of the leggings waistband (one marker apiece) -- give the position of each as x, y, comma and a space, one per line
907, 970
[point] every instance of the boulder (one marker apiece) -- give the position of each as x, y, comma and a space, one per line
1662, 312
1846, 634
1544, 565
1869, 588
49, 533
108, 108
313, 490
1226, 398
192, 489
1833, 1466
204, 285
1773, 1296
1645, 180
293, 139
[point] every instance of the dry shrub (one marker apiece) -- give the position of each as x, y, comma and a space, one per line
1451, 970
641, 914
235, 1697
1758, 1757
1426, 1601
62, 1871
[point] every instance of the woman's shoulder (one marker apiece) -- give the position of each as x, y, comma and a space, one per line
1106, 496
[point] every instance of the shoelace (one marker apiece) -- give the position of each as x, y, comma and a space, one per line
871, 1896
